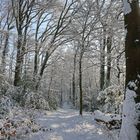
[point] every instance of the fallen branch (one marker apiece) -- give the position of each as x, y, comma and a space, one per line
112, 121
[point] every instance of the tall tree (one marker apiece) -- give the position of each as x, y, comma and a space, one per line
9, 26
108, 72
102, 59
23, 14
74, 76
130, 129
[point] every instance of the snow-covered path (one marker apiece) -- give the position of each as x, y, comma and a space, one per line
66, 124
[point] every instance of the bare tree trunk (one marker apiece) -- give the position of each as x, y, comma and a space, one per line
70, 92
36, 62
73, 78
119, 71
42, 69
22, 11
36, 51
109, 43
19, 55
4, 53
102, 67
61, 95
80, 84
131, 113
73, 88
19, 59
50, 83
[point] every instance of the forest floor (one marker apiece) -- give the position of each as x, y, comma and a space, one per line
62, 124
66, 124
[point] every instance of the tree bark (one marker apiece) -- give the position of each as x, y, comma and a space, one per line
4, 53
36, 61
22, 13
42, 69
73, 78
132, 54
50, 84
109, 43
118, 68
19, 59
102, 67
80, 85
36, 51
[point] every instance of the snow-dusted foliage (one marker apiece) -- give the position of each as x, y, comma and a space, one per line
16, 94
131, 113
111, 99
31, 99
20, 125
9, 91
53, 103
87, 102
5, 106
127, 7
36, 100
106, 117
4, 85
112, 121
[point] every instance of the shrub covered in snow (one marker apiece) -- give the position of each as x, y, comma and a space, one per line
87, 102
28, 98
5, 106
20, 125
36, 100
24, 97
53, 103
16, 94
111, 99
4, 85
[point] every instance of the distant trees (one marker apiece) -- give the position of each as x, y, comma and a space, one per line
57, 31
73, 47
84, 23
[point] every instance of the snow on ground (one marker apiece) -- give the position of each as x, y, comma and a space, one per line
63, 124
106, 117
66, 124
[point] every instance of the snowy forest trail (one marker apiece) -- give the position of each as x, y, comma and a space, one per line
66, 124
